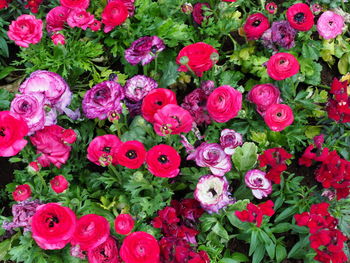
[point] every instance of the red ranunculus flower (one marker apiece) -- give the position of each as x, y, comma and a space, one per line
114, 14
75, 3
53, 226
172, 119
104, 253
255, 26
224, 103
22, 192
12, 131
59, 184
199, 57
163, 161
300, 17
123, 224
56, 18
282, 65
278, 117
91, 231
102, 150
197, 13
131, 154
140, 247
155, 100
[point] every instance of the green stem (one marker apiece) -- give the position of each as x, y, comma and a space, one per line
156, 64
262, 2
115, 172
233, 41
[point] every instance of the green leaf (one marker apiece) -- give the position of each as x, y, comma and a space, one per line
312, 131
220, 231
4, 50
170, 75
308, 51
4, 248
286, 213
253, 241
258, 254
280, 228
6, 71
281, 253
230, 78
239, 257
298, 247
245, 157
228, 260
343, 64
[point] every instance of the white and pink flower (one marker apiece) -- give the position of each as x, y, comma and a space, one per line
257, 181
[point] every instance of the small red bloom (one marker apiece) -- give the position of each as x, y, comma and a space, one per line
300, 17
123, 224
254, 214
271, 8
59, 184
255, 26
106, 252
69, 136
131, 154
282, 65
22, 192
278, 117
198, 13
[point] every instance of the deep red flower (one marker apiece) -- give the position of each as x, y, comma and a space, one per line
313, 154
198, 13
123, 224
69, 136
3, 4
84, 4
166, 216
282, 65
338, 107
163, 161
300, 17
59, 184
22, 192
332, 239
255, 25
224, 103
114, 14
188, 208
102, 150
199, 57
131, 154
53, 226
278, 117
155, 100
140, 247
104, 253
91, 231
254, 214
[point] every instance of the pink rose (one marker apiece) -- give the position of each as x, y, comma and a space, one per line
257, 181
263, 96
80, 18
278, 117
58, 39
25, 30
56, 18
330, 25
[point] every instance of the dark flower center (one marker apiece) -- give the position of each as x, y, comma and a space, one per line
154, 49
279, 114
52, 221
163, 159
2, 132
24, 106
102, 252
159, 103
256, 23
299, 18
100, 94
107, 149
131, 154
213, 192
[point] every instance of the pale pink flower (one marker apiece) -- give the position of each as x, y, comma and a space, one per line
330, 25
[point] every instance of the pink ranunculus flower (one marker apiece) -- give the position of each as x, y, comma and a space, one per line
106, 252
278, 117
58, 39
84, 4
56, 18
80, 18
213, 156
257, 181
230, 140
31, 108
103, 150
330, 25
263, 96
25, 30
59, 184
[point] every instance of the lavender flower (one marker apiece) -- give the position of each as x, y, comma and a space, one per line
280, 33
257, 181
195, 103
22, 213
133, 107
138, 87
144, 50
208, 86
212, 193
213, 156
102, 99
229, 140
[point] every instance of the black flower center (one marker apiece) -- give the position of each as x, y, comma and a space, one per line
52, 221
2, 134
159, 103
154, 49
299, 18
256, 23
212, 191
163, 159
131, 154
107, 149
279, 114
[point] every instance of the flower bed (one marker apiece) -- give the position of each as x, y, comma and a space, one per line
171, 131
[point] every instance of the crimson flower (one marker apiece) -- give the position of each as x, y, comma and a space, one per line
131, 154
123, 224
254, 214
22, 192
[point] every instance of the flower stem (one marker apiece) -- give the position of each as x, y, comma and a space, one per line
115, 172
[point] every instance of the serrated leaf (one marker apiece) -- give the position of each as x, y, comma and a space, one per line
4, 248
170, 75
245, 157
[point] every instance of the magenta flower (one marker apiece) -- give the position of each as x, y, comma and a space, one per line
263, 96
56, 18
280, 33
138, 87
144, 50
212, 193
330, 25
208, 87
230, 140
102, 99
213, 156
257, 181
80, 18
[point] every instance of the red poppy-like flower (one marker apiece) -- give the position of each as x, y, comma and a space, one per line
224, 103
198, 13
300, 17
114, 14
254, 214
255, 26
271, 8
155, 100
22, 192
278, 117
59, 184
123, 224
3, 4
131, 154
172, 119
163, 161
12, 131
140, 247
91, 231
75, 3
282, 65
106, 252
53, 226
199, 57
263, 96
102, 150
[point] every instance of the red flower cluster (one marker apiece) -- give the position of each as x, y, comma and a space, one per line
275, 159
33, 5
325, 239
338, 107
255, 213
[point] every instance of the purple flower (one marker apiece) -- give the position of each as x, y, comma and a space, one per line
22, 213
102, 99
212, 193
330, 25
52, 85
138, 87
133, 107
144, 50
229, 140
213, 156
208, 87
195, 103
257, 181
280, 33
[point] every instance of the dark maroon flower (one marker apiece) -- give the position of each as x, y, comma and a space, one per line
195, 104
198, 12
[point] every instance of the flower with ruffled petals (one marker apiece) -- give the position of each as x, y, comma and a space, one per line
58, 39
263, 96
107, 252
123, 224
300, 17
103, 150
114, 14
59, 184
79, 17
137, 87
255, 25
278, 117
257, 181
56, 18
131, 154
282, 65
195, 103
229, 140
280, 33
22, 192
254, 214
330, 25
75, 3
